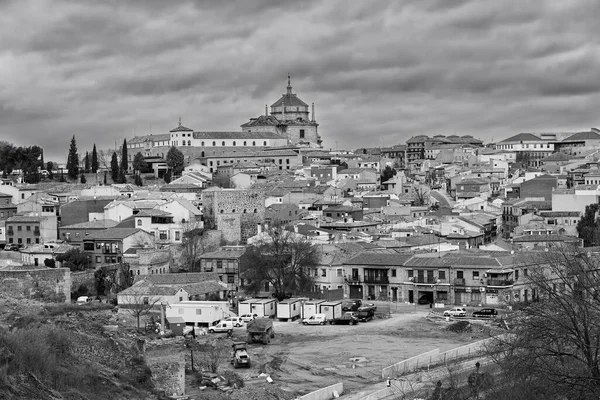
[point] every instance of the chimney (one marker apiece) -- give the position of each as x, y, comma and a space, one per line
266, 110
313, 112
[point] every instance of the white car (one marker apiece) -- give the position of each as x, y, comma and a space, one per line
248, 317
237, 321
456, 312
317, 319
223, 326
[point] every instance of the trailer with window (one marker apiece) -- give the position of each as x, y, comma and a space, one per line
289, 309
310, 308
332, 309
261, 307
199, 313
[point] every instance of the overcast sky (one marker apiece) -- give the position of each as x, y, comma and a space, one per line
378, 72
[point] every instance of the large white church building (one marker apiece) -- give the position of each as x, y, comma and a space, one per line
290, 123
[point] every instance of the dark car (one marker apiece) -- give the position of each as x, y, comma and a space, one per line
485, 312
12, 247
365, 313
351, 305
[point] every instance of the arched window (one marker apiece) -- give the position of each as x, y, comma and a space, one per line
183, 220
223, 143
202, 155
234, 142
139, 222
183, 143
214, 143
265, 143
202, 144
189, 142
253, 143
244, 142
255, 211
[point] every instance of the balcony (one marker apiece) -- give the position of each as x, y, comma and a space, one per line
424, 279
353, 279
383, 280
36, 232
459, 282
10, 232
500, 282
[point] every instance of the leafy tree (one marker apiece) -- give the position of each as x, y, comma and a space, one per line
114, 167
100, 282
387, 173
284, 259
588, 227
124, 160
86, 163
50, 169
74, 259
139, 163
73, 160
175, 160
167, 177
94, 160
49, 262
192, 245
552, 352
82, 178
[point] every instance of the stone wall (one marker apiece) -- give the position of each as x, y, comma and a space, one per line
83, 278
234, 212
168, 373
45, 283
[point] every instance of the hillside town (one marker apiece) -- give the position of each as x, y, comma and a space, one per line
438, 224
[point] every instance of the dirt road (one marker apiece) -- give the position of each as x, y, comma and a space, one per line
304, 358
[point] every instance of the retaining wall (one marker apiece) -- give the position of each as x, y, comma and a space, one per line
325, 393
44, 283
411, 364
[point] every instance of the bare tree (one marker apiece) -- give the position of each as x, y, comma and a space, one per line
554, 349
192, 244
139, 305
117, 278
284, 259
421, 195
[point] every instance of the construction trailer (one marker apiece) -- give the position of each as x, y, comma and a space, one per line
260, 307
332, 309
289, 309
199, 313
311, 307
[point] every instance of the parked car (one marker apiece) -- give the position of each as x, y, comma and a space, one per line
351, 305
317, 319
12, 247
81, 300
366, 313
456, 312
223, 326
347, 318
485, 313
248, 317
237, 321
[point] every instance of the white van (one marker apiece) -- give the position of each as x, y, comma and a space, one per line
316, 319
84, 300
223, 326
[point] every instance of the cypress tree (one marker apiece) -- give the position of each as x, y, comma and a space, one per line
86, 163
114, 167
73, 160
94, 159
124, 161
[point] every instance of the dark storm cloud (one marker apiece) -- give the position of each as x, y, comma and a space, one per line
378, 71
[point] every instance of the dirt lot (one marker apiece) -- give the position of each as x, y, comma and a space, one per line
304, 358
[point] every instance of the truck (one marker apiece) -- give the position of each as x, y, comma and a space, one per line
260, 330
347, 318
239, 355
365, 313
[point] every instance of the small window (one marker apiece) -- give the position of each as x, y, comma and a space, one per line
139, 222
253, 143
442, 275
301, 133
198, 311
234, 142
214, 143
223, 143
475, 274
394, 272
244, 143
